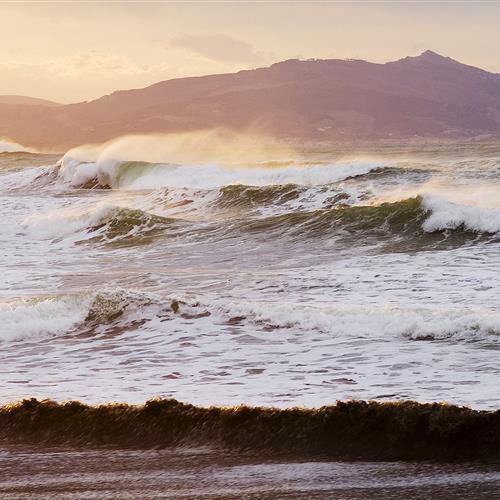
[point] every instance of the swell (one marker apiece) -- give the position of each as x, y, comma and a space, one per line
346, 430
411, 224
419, 222
291, 196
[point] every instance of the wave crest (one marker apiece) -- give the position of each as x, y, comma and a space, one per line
48, 316
447, 215
144, 175
104, 223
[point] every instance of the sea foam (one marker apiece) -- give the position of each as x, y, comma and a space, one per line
445, 214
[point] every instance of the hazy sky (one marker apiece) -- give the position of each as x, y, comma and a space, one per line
72, 51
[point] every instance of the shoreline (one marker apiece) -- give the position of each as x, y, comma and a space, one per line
353, 430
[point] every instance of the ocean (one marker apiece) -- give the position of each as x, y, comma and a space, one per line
298, 279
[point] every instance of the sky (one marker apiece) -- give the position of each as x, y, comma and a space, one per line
76, 51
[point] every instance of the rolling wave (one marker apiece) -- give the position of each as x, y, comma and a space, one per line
103, 223
415, 223
143, 175
419, 221
291, 197
40, 317
353, 429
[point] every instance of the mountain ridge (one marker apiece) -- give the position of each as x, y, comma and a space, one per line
428, 96
26, 101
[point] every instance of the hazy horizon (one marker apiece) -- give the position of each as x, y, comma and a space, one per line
91, 49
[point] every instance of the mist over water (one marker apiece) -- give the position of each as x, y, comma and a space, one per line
219, 269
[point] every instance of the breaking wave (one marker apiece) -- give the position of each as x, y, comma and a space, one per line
29, 179
448, 215
143, 175
416, 223
103, 223
41, 317
93, 312
423, 219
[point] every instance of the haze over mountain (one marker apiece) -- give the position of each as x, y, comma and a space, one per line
29, 101
428, 96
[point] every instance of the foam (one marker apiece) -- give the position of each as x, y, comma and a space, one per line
40, 317
35, 318
445, 214
26, 178
373, 322
64, 222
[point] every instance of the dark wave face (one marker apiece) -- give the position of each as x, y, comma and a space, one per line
247, 197
240, 196
352, 430
123, 227
399, 218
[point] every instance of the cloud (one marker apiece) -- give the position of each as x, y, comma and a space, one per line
218, 47
90, 63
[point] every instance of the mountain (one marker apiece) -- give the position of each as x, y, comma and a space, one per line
427, 96
28, 101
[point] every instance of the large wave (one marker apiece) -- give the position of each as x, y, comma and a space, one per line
349, 430
143, 175
419, 223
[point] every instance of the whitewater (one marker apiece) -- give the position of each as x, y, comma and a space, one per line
131, 270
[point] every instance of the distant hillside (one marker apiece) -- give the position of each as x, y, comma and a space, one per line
428, 96
26, 101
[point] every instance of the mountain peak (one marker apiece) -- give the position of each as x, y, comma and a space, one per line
430, 54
